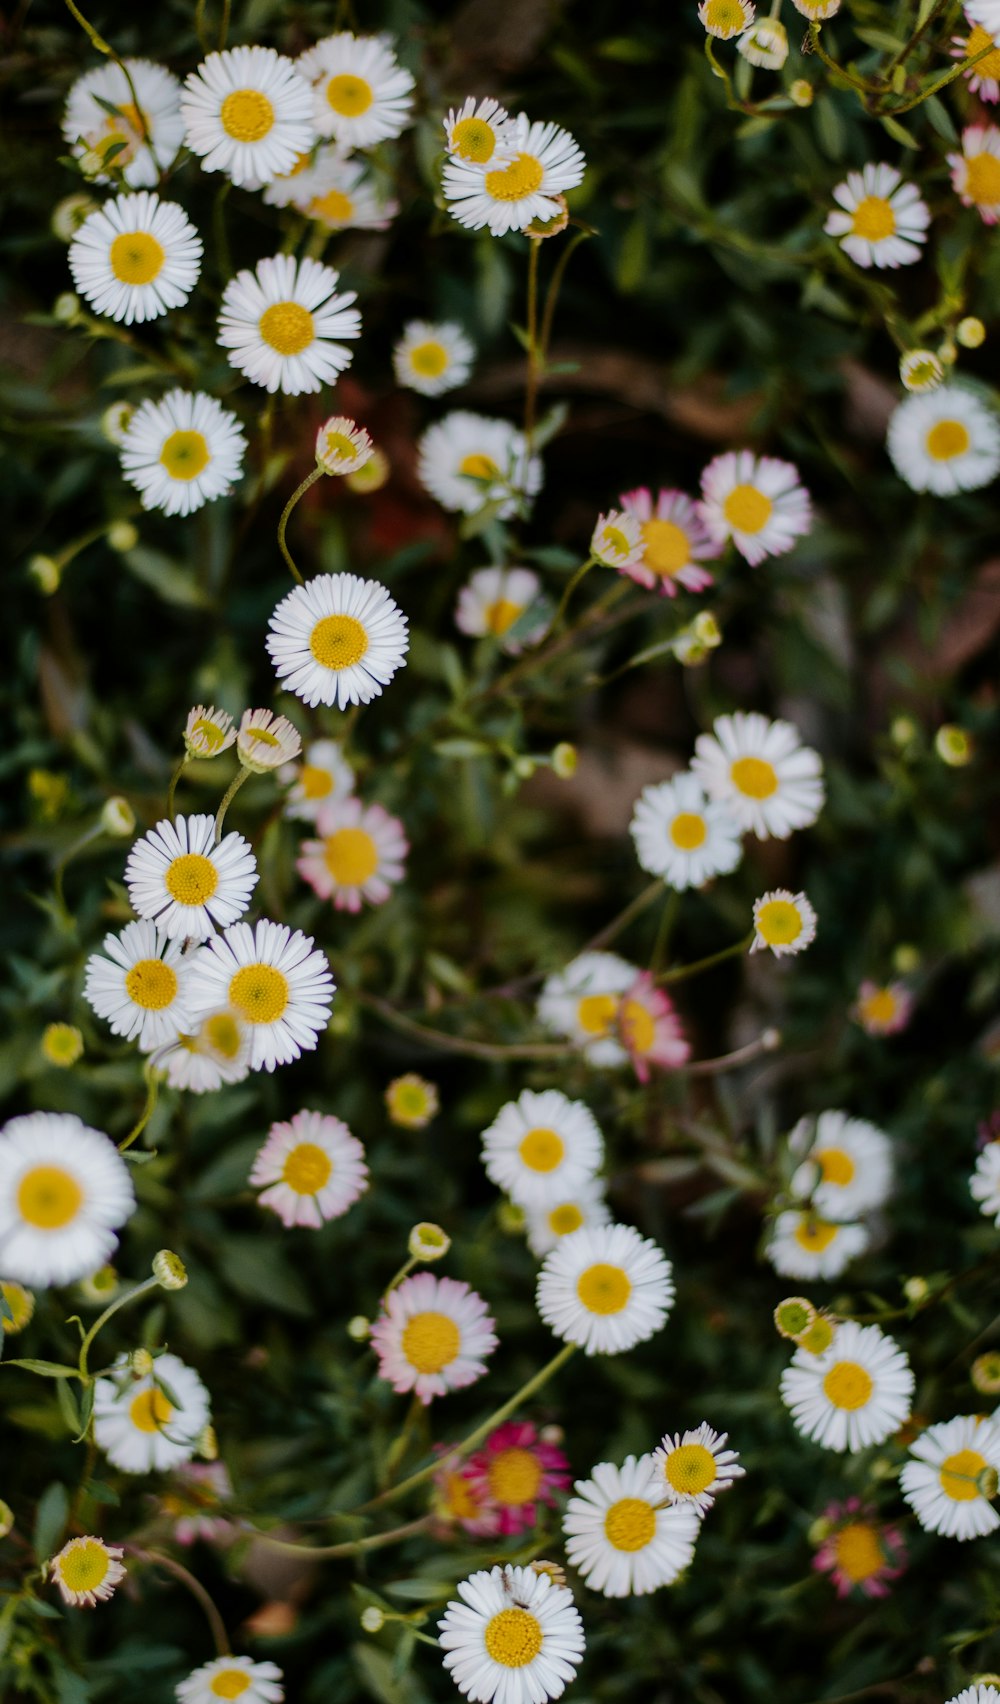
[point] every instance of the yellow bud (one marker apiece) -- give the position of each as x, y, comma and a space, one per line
428, 1242
142, 1363
372, 476
372, 1619
970, 332
564, 760
66, 308
359, 1329
62, 1044
801, 92
46, 573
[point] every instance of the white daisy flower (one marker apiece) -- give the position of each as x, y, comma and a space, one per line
337, 640
360, 854
802, 1245
952, 1480
846, 1167
546, 1226
187, 884
281, 324
817, 10
690, 1468
605, 1288
512, 1635
881, 221
312, 1169
140, 986
726, 18
765, 44
616, 541
64, 1191
854, 1394
182, 452
136, 257
542, 1148
286, 189
975, 172
344, 196
770, 783
582, 1003
433, 1335
233, 1677
946, 441
266, 741
214, 1052
984, 1184
361, 94
468, 460
432, 357
323, 775
507, 197
493, 601
342, 446
479, 133
683, 837
757, 501
248, 113
87, 1570
151, 1423
784, 922
208, 731
145, 129
620, 1537
274, 980
978, 1694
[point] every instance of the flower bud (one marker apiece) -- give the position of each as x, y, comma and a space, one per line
69, 214
114, 421
948, 351
359, 1329
208, 1443
550, 227
985, 1373
801, 92
903, 732
920, 370
555, 1573
141, 1363
169, 1270
6, 1519
62, 1044
970, 332
20, 1305
372, 1619
342, 446
524, 767
372, 476
100, 1286
819, 1532
988, 1483
794, 1316
906, 959
117, 817
953, 746
818, 1336
770, 1040
66, 308
510, 1218
564, 760
46, 573
122, 536
428, 1242
706, 629
916, 1289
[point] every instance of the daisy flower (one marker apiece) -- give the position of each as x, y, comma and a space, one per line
323, 775
248, 113
977, 1694
858, 1551
281, 324
515, 1472
468, 460
233, 1677
982, 78
265, 741
479, 134
683, 837
313, 1170
920, 370
64, 1192
337, 640
182, 452
433, 1335
802, 1245
846, 1168
546, 162
785, 922
139, 985
880, 220
361, 94
541, 1148
208, 731
770, 782
135, 258
215, 1051
726, 18
690, 1468
546, 1226
411, 1101
342, 446
432, 357
494, 600
605, 1288
987, 13
145, 136
946, 441
582, 1004
274, 980
882, 1008
187, 884
984, 1184
975, 172
817, 10
952, 1479
343, 195
757, 501
87, 1570
360, 855
620, 1537
855, 1394
512, 1635
151, 1423
675, 541
765, 44
616, 541
650, 1029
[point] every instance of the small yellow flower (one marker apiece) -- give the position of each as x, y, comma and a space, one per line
412, 1101
62, 1044
49, 792
342, 446
801, 92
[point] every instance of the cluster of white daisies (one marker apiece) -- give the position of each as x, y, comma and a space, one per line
843, 1172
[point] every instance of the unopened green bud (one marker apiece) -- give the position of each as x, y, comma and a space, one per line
141, 1363
953, 746
428, 1242
916, 1289
359, 1329
117, 817
169, 1270
66, 308
372, 1619
564, 760
6, 1519
46, 573
122, 536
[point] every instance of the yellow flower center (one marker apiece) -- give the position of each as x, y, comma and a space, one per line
565, 1219
150, 1410
338, 641
848, 1385
408, 1100
430, 360
84, 1566
604, 1289
206, 733
501, 615
185, 455
596, 1013
836, 1165
959, 1475
754, 776
873, 219
287, 327
191, 879
814, 1235
339, 445
725, 15
947, 439
136, 257
430, 1341
690, 1468
982, 178
514, 1477
513, 1638
246, 115
614, 542
688, 831
259, 993
62, 1044
49, 1198
880, 1007
222, 1033
746, 509
334, 207
478, 466
351, 856
459, 1500
473, 139
229, 1683
521, 178
630, 1524
307, 1169
978, 39
254, 737
638, 1028
151, 984
666, 547
316, 783
858, 1551
542, 1150
779, 923
349, 95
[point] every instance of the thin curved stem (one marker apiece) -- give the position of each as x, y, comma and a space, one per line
459, 1044
534, 352
767, 1042
683, 971
350, 1547
555, 285
142, 1289
571, 586
59, 872
634, 909
831, 64
152, 1091
174, 779
286, 514
227, 799
197, 1590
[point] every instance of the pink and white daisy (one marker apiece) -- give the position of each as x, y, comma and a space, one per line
433, 1335
360, 854
858, 1551
516, 1472
675, 542
494, 600
882, 1008
312, 1168
458, 1503
983, 78
975, 172
649, 1028
756, 501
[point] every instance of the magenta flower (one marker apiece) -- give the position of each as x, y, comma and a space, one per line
515, 1472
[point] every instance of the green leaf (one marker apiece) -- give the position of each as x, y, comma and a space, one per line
67, 1407
940, 118
259, 1271
171, 582
50, 1520
899, 133
46, 1369
461, 748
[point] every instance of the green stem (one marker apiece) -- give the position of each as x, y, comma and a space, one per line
197, 1590
300, 491
942, 82
459, 1044
618, 924
534, 364
401, 1444
199, 25
574, 581
224, 25
172, 789
152, 1091
227, 799
101, 46
767, 1042
555, 285
142, 1289
404, 1272
667, 919
351, 1547
831, 64
683, 971
58, 874
908, 46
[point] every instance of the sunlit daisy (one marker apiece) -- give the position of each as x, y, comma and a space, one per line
153, 1422
984, 1184
803, 1245
359, 855
337, 640
846, 1168
468, 460
432, 357
283, 323
177, 876
621, 1537
770, 782
343, 195
323, 775
542, 1147
757, 501
310, 1169
433, 1335
136, 257
64, 1192
139, 985
951, 1481
858, 1551
945, 442
233, 1677
87, 1570
616, 541
983, 78
691, 1468
182, 451
546, 1226
265, 741
248, 113
605, 1288
675, 541
208, 731
494, 600
975, 172
857, 1393
142, 133
682, 836
765, 44
479, 133
726, 18
880, 220
882, 1008
783, 922
361, 94
517, 1473
213, 1052
507, 197
411, 1101
274, 980
342, 446
512, 1635
582, 1003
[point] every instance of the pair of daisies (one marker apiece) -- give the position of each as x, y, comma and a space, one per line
507, 174
545, 1152
614, 1013
843, 1172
